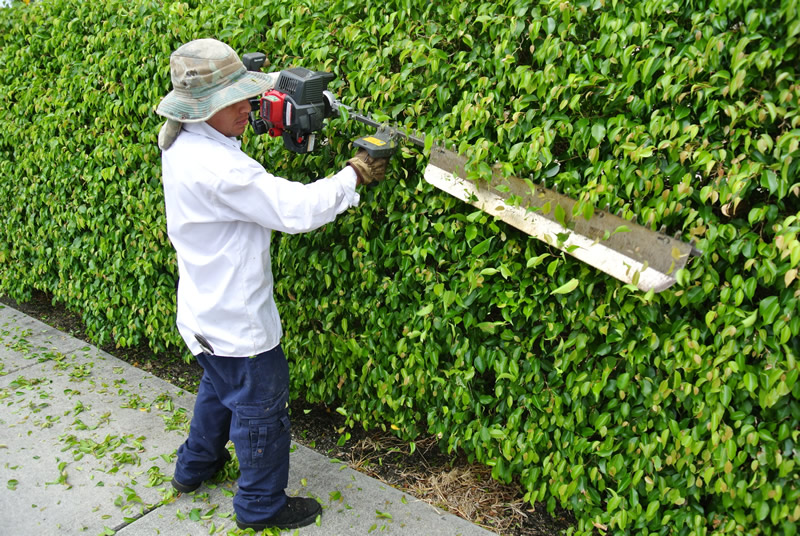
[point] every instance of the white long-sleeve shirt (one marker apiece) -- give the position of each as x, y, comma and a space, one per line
221, 208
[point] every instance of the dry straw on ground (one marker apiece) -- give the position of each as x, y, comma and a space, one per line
456, 486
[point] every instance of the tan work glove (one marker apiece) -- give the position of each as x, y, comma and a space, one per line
368, 169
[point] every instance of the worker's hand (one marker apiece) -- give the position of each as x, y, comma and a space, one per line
368, 169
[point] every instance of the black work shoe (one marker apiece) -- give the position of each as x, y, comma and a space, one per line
218, 465
297, 512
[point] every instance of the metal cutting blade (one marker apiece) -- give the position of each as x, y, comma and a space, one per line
622, 249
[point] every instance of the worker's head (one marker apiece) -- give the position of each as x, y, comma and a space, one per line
208, 76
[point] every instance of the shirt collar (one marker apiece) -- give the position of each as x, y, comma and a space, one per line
204, 129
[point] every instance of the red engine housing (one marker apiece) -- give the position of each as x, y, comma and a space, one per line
276, 111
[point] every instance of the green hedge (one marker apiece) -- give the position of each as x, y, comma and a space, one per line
674, 413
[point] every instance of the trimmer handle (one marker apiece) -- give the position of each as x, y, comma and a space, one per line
381, 144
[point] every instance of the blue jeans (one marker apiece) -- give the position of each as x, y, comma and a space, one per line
244, 399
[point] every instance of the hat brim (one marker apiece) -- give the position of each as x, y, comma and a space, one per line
185, 109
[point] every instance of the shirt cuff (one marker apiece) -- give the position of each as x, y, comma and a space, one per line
348, 180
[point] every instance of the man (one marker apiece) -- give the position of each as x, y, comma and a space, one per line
221, 208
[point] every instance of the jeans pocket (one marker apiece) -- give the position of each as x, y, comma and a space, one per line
259, 432
263, 429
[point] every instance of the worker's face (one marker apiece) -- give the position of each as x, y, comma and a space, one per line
231, 120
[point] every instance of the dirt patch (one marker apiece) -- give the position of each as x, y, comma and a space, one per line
448, 482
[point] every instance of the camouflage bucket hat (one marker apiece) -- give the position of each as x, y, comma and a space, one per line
207, 75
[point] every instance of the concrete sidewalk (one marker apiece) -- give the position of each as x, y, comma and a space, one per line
87, 446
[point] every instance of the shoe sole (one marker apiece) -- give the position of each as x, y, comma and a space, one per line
286, 526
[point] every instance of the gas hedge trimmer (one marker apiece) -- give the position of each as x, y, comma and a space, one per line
297, 107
